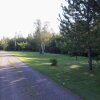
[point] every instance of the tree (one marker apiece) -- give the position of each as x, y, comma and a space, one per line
37, 34
22, 45
11, 44
79, 25
41, 35
53, 44
45, 37
4, 43
32, 45
19, 39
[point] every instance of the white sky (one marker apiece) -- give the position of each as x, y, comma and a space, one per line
19, 15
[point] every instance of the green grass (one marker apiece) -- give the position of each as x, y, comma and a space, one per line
69, 73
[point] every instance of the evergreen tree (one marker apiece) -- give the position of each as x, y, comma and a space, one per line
79, 25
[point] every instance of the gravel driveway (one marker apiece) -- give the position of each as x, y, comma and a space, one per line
20, 82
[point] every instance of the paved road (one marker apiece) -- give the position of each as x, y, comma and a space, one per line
20, 82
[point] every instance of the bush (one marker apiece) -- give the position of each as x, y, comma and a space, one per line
53, 62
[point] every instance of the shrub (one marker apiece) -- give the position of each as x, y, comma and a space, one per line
53, 62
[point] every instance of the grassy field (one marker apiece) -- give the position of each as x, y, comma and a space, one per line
69, 73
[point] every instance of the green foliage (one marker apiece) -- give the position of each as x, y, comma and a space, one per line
22, 45
79, 24
41, 35
53, 62
4, 43
33, 42
32, 45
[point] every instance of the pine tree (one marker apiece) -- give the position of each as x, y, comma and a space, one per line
79, 25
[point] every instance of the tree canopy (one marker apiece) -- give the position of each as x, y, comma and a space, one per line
79, 25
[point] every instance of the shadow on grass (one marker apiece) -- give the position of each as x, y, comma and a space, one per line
69, 73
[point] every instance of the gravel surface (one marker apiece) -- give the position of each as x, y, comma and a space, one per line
20, 82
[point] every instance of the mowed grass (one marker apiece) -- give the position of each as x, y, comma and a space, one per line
70, 73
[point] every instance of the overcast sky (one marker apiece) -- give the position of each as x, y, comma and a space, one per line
19, 15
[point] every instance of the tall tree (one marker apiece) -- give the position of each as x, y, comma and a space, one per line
79, 25
37, 33
41, 35
45, 36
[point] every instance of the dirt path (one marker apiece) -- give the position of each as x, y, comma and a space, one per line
20, 82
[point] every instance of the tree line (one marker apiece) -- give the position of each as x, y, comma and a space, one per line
41, 40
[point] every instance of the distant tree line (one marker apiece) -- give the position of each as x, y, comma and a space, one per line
40, 41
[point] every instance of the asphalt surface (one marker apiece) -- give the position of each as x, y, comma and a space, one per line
20, 82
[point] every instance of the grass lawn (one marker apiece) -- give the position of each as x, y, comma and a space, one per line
69, 73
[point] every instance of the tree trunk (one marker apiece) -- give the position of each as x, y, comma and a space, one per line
42, 48
89, 36
76, 57
90, 58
